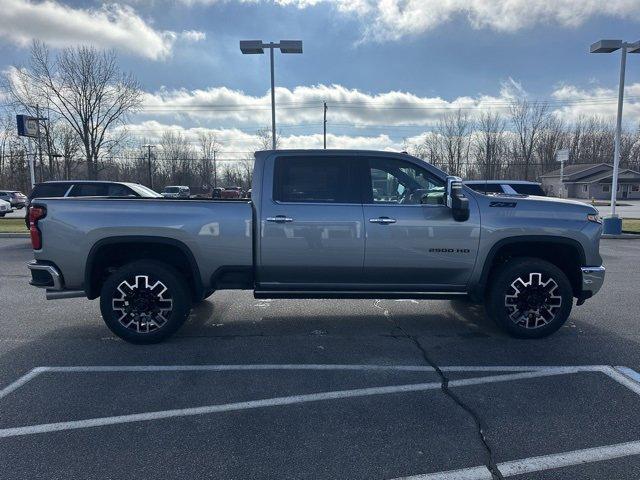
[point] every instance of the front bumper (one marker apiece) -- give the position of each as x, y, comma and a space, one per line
592, 280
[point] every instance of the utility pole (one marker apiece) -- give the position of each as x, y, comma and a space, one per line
149, 147
215, 171
39, 141
325, 125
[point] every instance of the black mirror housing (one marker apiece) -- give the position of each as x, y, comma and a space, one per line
456, 200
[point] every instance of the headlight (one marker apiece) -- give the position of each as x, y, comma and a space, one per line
594, 217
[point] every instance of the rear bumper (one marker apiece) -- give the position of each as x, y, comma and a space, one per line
592, 280
46, 275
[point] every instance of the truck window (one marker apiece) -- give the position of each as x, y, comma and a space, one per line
89, 190
116, 190
315, 180
51, 190
400, 182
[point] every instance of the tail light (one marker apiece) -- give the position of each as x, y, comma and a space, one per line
36, 213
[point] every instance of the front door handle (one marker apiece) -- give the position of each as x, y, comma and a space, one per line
280, 219
382, 220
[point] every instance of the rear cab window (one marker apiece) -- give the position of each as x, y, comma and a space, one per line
50, 190
316, 179
89, 190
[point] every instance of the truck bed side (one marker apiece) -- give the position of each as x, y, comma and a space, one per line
215, 233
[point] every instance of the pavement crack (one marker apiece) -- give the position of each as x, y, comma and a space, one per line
490, 461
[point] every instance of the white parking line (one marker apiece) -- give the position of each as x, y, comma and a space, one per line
221, 368
623, 375
21, 381
271, 402
537, 464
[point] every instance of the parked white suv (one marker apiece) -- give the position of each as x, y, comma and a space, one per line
176, 191
508, 187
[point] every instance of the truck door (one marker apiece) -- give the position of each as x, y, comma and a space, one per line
412, 240
311, 225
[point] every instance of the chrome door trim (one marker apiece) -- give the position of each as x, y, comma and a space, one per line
280, 219
382, 220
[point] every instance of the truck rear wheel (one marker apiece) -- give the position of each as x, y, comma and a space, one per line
145, 301
529, 298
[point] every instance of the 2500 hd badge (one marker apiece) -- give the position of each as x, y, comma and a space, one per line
449, 250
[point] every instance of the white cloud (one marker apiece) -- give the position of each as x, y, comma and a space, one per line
112, 26
597, 101
356, 119
395, 19
237, 144
304, 105
193, 36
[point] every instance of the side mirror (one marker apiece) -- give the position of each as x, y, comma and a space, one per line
456, 200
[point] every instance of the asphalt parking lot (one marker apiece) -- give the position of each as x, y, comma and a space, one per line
320, 389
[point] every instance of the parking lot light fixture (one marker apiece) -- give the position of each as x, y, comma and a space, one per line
613, 224
252, 47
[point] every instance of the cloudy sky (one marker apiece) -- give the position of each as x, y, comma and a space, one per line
387, 68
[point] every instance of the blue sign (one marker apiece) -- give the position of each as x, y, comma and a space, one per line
27, 126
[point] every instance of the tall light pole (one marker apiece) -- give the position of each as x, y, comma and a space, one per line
613, 224
249, 47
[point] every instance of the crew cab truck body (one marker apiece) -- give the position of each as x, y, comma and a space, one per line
322, 224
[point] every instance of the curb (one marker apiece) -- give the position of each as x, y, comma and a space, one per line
14, 235
623, 236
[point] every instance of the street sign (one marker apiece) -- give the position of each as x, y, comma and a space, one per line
562, 155
27, 126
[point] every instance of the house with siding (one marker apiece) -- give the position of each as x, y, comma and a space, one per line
591, 180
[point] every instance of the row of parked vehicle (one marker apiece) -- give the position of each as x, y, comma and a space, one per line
10, 200
14, 200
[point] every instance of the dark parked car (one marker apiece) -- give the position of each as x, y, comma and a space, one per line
508, 187
15, 198
227, 193
88, 188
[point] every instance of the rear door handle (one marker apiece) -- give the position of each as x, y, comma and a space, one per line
280, 219
382, 220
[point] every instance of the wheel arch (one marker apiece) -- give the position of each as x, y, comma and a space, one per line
567, 254
115, 251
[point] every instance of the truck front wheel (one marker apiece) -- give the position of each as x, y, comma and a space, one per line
529, 297
145, 301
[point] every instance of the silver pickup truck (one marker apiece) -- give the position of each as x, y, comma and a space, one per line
322, 224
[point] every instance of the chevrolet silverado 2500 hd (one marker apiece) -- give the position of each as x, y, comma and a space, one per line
322, 224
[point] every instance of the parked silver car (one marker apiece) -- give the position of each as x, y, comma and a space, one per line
15, 198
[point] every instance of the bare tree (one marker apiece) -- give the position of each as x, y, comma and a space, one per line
265, 140
178, 157
66, 144
82, 85
489, 145
454, 131
209, 148
551, 139
528, 119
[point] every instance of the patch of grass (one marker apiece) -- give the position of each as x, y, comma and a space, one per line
12, 225
631, 225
